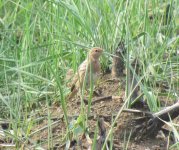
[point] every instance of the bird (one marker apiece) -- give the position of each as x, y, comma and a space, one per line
88, 69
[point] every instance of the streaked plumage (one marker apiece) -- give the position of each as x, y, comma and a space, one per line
91, 64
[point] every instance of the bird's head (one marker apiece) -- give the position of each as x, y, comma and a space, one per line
96, 52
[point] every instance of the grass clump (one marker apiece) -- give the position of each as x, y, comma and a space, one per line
40, 40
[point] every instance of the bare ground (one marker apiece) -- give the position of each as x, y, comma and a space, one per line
106, 108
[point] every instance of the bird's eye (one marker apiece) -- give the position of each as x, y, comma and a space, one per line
96, 50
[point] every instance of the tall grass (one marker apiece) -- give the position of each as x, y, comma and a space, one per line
40, 40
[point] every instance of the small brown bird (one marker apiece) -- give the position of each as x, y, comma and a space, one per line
89, 69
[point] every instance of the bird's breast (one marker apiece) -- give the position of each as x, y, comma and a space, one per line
96, 67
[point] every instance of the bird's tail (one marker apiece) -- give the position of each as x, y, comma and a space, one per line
72, 94
69, 77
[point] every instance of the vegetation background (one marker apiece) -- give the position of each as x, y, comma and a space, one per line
41, 39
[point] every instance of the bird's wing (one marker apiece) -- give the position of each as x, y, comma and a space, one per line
82, 67
79, 75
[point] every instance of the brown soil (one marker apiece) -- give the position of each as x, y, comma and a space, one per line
106, 108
